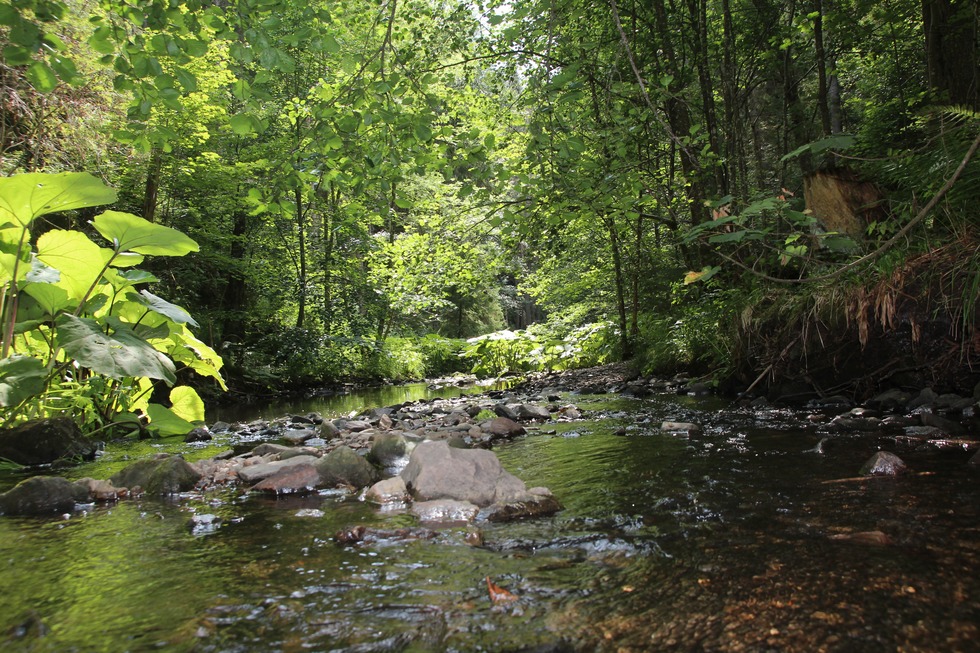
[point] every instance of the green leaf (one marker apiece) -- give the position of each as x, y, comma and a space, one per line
186, 403
165, 422
53, 299
77, 258
27, 196
118, 355
242, 124
21, 377
165, 308
129, 232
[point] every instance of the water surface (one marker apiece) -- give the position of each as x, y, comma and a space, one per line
718, 541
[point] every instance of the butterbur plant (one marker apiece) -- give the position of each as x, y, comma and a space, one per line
81, 335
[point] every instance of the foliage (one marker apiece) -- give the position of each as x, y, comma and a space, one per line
542, 347
79, 336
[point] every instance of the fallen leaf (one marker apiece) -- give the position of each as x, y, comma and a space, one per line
498, 594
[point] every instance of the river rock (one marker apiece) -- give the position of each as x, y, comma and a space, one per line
926, 397
329, 430
159, 476
42, 495
101, 490
884, 463
438, 471
445, 511
975, 459
532, 412
43, 441
890, 400
386, 448
390, 491
680, 427
298, 436
508, 411
344, 466
536, 502
941, 423
255, 473
292, 479
505, 427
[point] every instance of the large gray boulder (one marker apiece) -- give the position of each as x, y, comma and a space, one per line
344, 466
438, 471
42, 495
263, 470
161, 476
43, 441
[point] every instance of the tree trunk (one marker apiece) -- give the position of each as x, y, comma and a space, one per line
823, 93
625, 340
152, 188
301, 281
952, 60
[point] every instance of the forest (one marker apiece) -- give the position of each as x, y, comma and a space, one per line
242, 196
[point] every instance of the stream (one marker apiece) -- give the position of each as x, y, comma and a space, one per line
741, 537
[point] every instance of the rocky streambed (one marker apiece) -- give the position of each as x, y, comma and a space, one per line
591, 510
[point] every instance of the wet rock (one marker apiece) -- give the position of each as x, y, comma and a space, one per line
681, 427
532, 412
270, 449
505, 427
507, 411
43, 441
293, 480
101, 490
159, 476
851, 423
445, 511
941, 423
390, 491
870, 538
298, 436
385, 422
975, 459
884, 463
199, 434
344, 466
365, 534
205, 524
328, 430
890, 400
926, 397
570, 412
387, 448
438, 471
42, 495
255, 473
355, 426
953, 402
536, 502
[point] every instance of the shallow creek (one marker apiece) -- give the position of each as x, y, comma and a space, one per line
722, 540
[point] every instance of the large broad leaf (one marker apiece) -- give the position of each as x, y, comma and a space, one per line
165, 422
187, 404
25, 197
21, 377
118, 355
163, 307
77, 258
53, 299
129, 232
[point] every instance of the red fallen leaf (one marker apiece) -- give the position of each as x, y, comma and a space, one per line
498, 594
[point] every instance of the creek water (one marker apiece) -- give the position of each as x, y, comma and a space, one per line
737, 538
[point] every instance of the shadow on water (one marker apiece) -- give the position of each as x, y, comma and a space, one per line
722, 540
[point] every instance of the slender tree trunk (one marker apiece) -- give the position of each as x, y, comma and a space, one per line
823, 92
152, 187
699, 21
625, 340
301, 281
